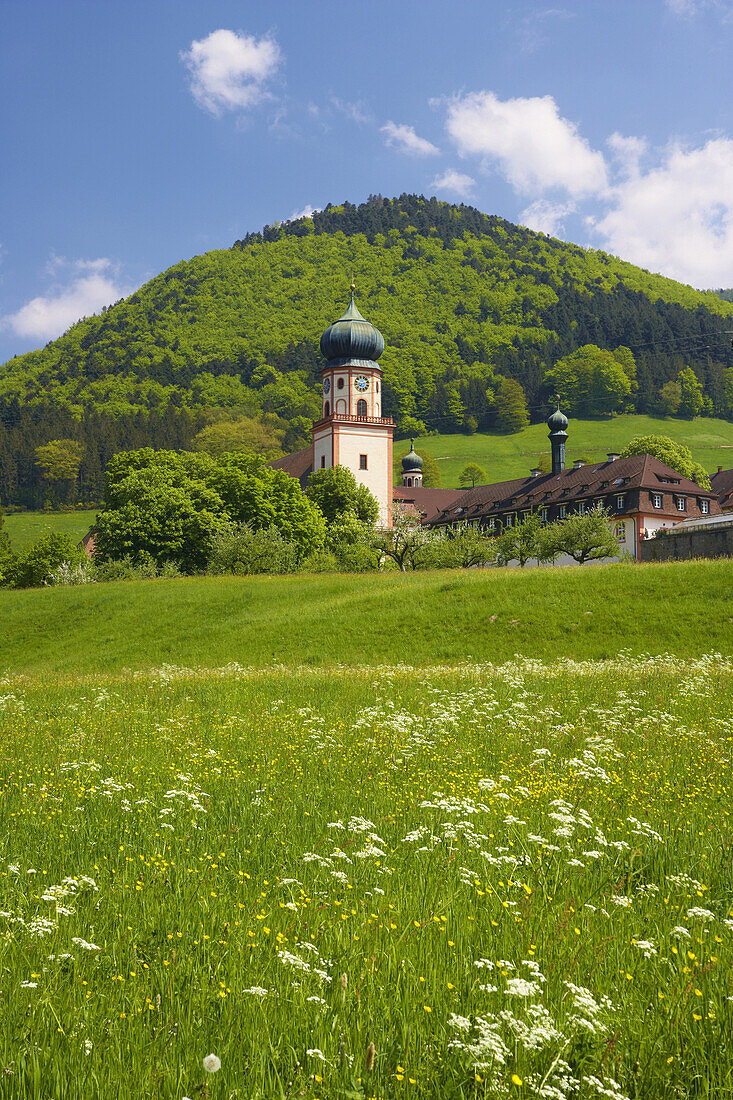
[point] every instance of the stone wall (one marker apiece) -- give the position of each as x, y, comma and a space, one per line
711, 543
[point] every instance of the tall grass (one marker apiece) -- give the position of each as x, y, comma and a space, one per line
512, 882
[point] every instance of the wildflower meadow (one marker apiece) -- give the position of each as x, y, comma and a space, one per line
484, 881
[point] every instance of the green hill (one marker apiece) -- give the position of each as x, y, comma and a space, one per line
429, 618
462, 298
507, 456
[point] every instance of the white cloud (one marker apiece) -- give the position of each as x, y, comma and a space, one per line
454, 181
533, 29
677, 218
92, 285
307, 212
534, 147
406, 140
690, 8
357, 111
627, 151
229, 70
547, 217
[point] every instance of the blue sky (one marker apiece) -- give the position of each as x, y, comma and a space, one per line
137, 134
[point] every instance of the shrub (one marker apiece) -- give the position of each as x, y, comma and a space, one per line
33, 566
242, 550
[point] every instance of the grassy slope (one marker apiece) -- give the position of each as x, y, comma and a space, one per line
508, 456
425, 618
26, 527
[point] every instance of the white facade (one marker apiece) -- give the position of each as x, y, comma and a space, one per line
353, 433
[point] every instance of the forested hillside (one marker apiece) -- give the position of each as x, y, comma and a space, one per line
225, 345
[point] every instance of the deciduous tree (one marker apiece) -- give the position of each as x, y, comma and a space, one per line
335, 491
511, 406
472, 475
586, 537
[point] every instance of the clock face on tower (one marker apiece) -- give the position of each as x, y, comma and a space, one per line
326, 385
361, 383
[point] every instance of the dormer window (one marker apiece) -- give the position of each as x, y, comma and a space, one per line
681, 503
581, 507
620, 502
657, 500
544, 515
705, 507
562, 511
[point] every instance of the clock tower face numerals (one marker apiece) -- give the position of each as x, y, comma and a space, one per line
361, 383
326, 385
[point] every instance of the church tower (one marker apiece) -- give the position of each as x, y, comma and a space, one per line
352, 431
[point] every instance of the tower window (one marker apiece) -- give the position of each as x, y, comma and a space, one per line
361, 408
340, 383
377, 387
362, 462
328, 409
323, 462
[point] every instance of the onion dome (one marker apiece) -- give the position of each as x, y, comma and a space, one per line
558, 421
411, 463
352, 337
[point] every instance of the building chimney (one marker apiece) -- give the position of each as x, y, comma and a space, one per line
612, 456
578, 463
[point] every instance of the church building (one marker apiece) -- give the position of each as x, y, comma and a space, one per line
639, 493
352, 431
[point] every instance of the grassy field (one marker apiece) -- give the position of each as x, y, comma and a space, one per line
323, 621
374, 883
25, 527
507, 456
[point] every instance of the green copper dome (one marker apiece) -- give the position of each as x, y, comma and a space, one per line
558, 421
412, 461
352, 337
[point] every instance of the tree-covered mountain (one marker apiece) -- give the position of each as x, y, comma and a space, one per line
464, 300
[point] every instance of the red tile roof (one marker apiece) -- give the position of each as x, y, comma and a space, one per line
429, 502
722, 485
298, 465
588, 483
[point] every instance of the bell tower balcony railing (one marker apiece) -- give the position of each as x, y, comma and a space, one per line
339, 418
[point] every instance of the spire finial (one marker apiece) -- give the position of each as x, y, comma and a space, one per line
557, 398
352, 287
412, 444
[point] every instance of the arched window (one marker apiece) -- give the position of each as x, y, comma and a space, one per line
328, 409
361, 407
340, 383
409, 481
377, 387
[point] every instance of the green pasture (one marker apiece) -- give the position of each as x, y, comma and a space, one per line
425, 618
25, 527
508, 456
370, 883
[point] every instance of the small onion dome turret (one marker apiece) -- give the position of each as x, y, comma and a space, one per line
411, 463
352, 337
558, 421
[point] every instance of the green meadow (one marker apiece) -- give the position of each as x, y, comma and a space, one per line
25, 527
507, 456
479, 882
426, 618
441, 835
